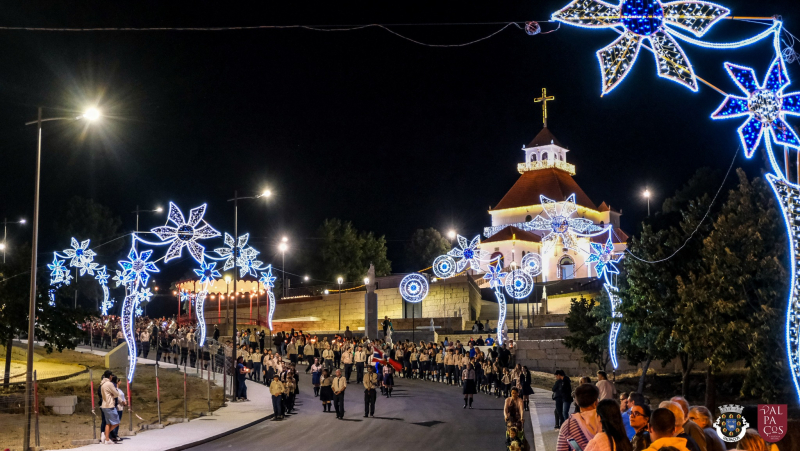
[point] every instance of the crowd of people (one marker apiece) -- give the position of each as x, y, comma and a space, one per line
604, 420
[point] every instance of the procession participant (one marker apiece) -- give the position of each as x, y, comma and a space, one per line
256, 362
370, 383
347, 360
468, 378
339, 385
276, 389
326, 390
308, 352
145, 338
327, 355
398, 354
439, 370
388, 380
525, 382
337, 352
291, 350
450, 369
241, 373
424, 364
407, 361
414, 360
289, 386
360, 358
316, 373
269, 371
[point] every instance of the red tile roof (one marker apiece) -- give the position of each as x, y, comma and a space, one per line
551, 183
544, 138
513, 233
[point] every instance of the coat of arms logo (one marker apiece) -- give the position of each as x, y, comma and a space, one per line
731, 425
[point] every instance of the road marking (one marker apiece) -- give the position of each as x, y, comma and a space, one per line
538, 440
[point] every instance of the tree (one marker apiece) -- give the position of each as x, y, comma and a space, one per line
425, 245
587, 330
56, 326
730, 304
343, 251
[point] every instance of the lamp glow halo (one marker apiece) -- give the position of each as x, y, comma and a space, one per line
414, 287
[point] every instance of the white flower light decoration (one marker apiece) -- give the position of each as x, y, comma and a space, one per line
604, 258
559, 224
468, 253
245, 252
185, 233
137, 268
79, 253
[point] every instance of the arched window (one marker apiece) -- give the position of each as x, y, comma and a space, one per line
566, 267
498, 255
528, 218
544, 156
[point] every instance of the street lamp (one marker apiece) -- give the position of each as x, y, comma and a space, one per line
451, 234
340, 280
235, 200
646, 194
6, 222
89, 115
283, 247
227, 302
137, 211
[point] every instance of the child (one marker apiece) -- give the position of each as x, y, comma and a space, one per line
515, 441
506, 381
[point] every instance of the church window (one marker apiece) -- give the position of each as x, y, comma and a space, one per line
528, 218
544, 156
498, 255
566, 267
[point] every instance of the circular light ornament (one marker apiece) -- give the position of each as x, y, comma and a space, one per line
414, 287
444, 266
532, 264
519, 284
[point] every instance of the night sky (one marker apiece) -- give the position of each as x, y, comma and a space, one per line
360, 125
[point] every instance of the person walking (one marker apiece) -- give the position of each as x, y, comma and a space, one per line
276, 389
566, 394
613, 436
308, 352
316, 375
347, 360
109, 394
512, 409
325, 390
525, 384
370, 394
360, 358
468, 378
241, 376
388, 380
145, 338
339, 385
606, 388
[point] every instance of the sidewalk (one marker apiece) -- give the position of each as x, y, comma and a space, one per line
543, 420
225, 420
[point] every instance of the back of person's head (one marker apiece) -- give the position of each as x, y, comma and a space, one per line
106, 374
681, 401
560, 373
662, 423
701, 411
586, 395
114, 380
586, 380
752, 442
611, 419
602, 374
676, 410
637, 398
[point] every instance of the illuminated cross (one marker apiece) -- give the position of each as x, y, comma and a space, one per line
543, 99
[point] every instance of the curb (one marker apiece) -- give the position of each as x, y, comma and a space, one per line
220, 435
538, 440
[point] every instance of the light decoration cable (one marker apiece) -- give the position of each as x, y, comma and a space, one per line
185, 233
495, 277
469, 253
444, 266
414, 288
644, 20
269, 283
559, 223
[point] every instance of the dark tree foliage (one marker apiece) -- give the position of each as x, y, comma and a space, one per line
425, 245
588, 322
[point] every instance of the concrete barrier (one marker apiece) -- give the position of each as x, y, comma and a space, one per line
117, 357
62, 405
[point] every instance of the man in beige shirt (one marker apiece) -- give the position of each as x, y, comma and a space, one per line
360, 357
276, 389
370, 384
347, 360
338, 386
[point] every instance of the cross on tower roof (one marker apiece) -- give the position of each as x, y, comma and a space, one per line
544, 99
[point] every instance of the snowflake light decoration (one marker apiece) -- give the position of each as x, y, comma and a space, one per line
106, 306
604, 258
468, 253
120, 278
765, 107
137, 267
249, 265
102, 276
79, 253
138, 311
245, 252
88, 268
495, 275
185, 233
143, 295
559, 223
58, 272
644, 20
267, 278
207, 273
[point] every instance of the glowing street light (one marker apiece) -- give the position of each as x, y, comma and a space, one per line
92, 114
339, 280
6, 222
451, 234
137, 211
646, 194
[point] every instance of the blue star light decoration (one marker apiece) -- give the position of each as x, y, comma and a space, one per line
80, 254
603, 256
102, 276
143, 295
138, 311
207, 272
185, 233
268, 279
641, 21
468, 252
495, 275
137, 268
764, 105
58, 272
559, 224
245, 252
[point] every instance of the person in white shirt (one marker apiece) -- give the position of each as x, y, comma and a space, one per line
606, 388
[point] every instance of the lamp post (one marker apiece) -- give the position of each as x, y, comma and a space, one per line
137, 211
90, 115
340, 280
646, 194
235, 200
6, 222
283, 247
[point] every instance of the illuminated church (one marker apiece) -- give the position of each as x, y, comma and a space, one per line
547, 213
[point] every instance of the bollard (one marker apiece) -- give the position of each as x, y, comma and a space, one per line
185, 406
208, 392
158, 396
94, 416
36, 405
224, 385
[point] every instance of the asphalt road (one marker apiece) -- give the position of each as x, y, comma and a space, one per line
419, 416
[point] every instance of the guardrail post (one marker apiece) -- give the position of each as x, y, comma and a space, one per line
36, 405
185, 401
158, 396
94, 416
